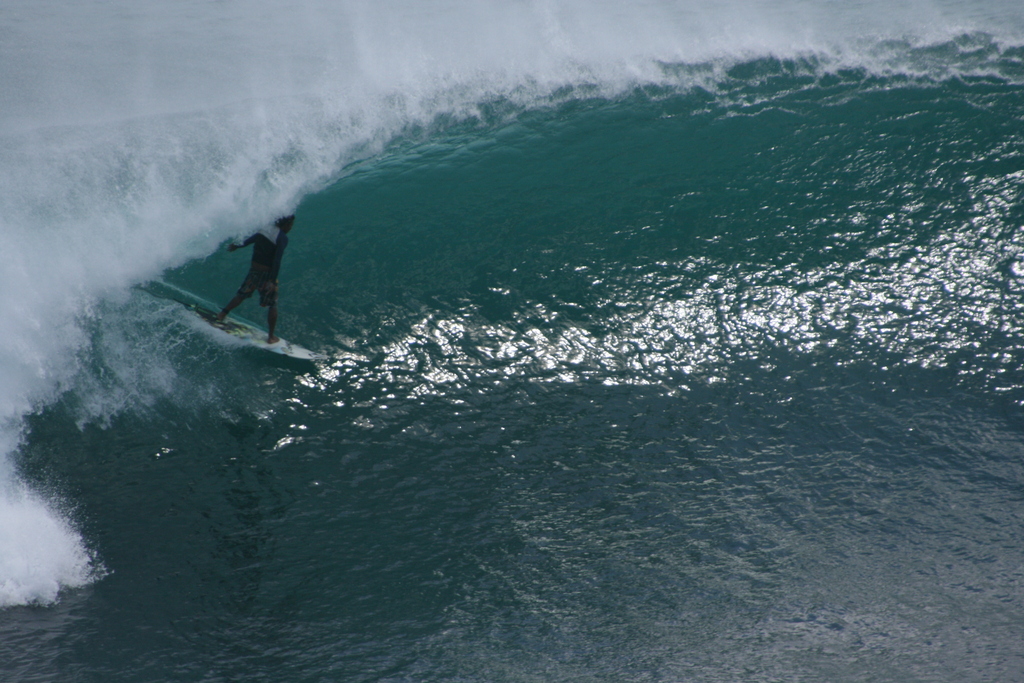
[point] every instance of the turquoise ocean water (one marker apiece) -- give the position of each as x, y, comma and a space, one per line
665, 343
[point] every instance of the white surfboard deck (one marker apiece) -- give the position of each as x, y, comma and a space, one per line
254, 336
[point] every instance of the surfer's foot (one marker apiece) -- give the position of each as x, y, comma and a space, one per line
221, 316
272, 339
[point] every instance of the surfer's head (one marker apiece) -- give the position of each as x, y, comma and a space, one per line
285, 222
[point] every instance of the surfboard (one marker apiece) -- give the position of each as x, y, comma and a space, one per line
254, 336
237, 329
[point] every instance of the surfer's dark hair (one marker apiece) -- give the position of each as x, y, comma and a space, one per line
285, 220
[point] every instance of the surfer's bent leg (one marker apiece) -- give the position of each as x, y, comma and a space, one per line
231, 304
271, 324
268, 298
252, 281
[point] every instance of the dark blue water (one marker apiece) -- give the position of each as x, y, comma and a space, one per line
676, 384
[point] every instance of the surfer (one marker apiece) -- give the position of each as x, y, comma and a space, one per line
269, 244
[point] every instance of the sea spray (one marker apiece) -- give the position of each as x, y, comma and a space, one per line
40, 550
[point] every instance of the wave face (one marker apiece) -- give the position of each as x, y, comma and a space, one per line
666, 342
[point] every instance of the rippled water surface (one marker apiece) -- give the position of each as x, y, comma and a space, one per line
712, 378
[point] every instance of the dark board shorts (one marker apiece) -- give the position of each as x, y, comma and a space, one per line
259, 280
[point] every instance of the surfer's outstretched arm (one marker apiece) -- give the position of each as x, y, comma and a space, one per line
233, 246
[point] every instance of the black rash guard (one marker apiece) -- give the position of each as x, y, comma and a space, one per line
266, 252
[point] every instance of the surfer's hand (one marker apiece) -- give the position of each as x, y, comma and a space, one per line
232, 246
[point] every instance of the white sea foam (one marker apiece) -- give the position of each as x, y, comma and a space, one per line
40, 552
134, 137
